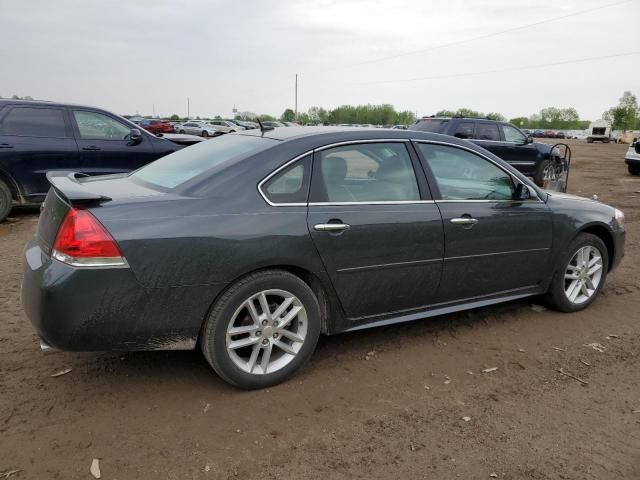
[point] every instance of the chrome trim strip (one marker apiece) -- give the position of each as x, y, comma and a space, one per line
352, 142
490, 201
493, 254
384, 266
390, 202
95, 262
279, 169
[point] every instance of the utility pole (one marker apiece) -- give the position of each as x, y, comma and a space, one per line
188, 109
154, 110
296, 110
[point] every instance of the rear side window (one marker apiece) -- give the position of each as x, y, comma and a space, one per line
433, 125
34, 122
464, 130
290, 185
368, 172
487, 131
186, 164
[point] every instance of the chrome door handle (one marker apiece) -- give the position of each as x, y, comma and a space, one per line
331, 227
464, 221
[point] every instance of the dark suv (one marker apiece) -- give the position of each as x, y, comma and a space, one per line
503, 139
37, 137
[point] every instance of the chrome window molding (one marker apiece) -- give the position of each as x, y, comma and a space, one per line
381, 202
470, 150
275, 172
356, 142
324, 147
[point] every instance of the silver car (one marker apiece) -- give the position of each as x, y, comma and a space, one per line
199, 127
226, 126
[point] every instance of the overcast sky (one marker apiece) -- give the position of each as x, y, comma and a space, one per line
128, 56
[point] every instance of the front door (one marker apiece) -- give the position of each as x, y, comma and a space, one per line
377, 231
494, 244
105, 146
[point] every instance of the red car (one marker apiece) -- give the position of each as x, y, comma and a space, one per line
157, 126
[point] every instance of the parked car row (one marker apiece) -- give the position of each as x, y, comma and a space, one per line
205, 128
546, 134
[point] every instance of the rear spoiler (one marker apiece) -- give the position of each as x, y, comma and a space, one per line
67, 185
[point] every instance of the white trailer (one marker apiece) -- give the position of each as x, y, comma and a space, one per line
599, 131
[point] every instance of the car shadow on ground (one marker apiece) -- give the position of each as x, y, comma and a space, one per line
175, 368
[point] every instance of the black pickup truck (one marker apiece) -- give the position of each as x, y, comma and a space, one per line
540, 161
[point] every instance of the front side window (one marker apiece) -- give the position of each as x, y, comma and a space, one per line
96, 126
487, 131
513, 135
464, 130
462, 175
187, 163
34, 122
291, 184
367, 172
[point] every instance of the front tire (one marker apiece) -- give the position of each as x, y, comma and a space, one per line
634, 170
6, 201
581, 274
545, 173
262, 329
181, 132
205, 133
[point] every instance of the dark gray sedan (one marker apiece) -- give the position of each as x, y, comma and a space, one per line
251, 245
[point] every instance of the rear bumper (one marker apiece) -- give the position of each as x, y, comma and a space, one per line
82, 309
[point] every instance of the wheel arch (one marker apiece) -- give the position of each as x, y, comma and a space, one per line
12, 184
603, 233
328, 306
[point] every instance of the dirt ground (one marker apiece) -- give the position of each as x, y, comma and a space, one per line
377, 404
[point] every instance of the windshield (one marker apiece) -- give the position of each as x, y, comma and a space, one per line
433, 125
185, 164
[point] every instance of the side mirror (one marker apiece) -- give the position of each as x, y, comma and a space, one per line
135, 136
522, 192
528, 140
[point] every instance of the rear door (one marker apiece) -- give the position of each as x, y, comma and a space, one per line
105, 146
494, 244
34, 140
377, 230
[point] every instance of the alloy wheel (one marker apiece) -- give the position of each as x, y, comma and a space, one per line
583, 274
266, 332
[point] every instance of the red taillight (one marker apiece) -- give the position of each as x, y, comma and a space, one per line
83, 241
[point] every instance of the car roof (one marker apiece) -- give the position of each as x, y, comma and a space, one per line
47, 103
339, 134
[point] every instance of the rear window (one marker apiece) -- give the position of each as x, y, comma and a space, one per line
34, 122
185, 164
433, 125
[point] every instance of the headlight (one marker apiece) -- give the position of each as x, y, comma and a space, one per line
619, 216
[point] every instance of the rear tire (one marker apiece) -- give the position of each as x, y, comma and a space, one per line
6, 201
262, 331
634, 170
560, 292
